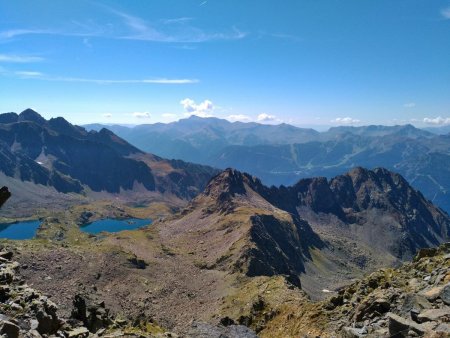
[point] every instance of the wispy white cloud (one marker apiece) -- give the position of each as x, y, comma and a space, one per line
45, 77
239, 117
172, 30
203, 109
142, 115
445, 12
409, 105
178, 30
20, 58
77, 30
11, 33
27, 74
175, 30
345, 120
107, 115
437, 120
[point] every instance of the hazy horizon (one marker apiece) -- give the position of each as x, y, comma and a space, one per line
317, 127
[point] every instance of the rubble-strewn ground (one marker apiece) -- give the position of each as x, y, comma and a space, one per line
25, 312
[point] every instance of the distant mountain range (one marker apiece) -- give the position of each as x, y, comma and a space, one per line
67, 158
283, 154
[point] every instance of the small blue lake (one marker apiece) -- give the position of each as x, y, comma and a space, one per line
19, 230
115, 225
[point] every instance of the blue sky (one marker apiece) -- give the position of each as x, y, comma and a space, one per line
305, 62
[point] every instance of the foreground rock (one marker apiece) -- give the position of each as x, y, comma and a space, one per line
25, 312
408, 302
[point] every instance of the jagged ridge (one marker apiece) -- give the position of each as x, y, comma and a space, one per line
279, 227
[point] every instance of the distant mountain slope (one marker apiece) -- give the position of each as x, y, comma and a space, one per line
69, 159
442, 130
197, 139
282, 154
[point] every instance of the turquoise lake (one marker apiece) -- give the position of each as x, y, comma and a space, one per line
115, 225
19, 230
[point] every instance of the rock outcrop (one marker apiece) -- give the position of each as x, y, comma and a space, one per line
408, 302
25, 312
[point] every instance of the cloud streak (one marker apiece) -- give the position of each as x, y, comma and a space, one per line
8, 34
19, 58
28, 74
131, 27
41, 76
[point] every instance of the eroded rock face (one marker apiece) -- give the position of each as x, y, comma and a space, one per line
276, 250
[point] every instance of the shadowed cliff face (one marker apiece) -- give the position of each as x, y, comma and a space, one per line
4, 195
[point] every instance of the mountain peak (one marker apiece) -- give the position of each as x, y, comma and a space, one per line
230, 182
32, 116
8, 118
